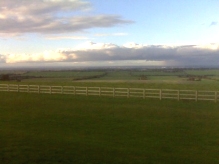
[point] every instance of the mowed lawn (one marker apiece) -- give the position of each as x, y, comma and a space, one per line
42, 128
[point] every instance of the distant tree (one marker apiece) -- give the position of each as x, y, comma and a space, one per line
18, 79
5, 77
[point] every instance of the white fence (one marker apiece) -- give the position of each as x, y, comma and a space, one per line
115, 92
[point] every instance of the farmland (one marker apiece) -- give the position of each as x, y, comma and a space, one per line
54, 128
200, 79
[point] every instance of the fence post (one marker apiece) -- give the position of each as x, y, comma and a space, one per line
178, 95
196, 95
160, 94
38, 89
28, 89
216, 96
18, 88
99, 91
143, 93
113, 92
128, 92
61, 89
50, 89
74, 90
7, 87
86, 91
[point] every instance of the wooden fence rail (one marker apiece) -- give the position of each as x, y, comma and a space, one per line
115, 92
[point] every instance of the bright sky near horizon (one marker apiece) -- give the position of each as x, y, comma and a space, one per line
107, 33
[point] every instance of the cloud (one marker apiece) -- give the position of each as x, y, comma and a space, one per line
120, 34
214, 23
66, 37
51, 17
47, 56
113, 34
128, 53
2, 58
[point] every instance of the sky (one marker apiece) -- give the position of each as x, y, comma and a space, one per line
87, 33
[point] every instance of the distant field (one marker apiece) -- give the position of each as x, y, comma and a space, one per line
63, 74
159, 72
118, 75
78, 129
155, 78
209, 72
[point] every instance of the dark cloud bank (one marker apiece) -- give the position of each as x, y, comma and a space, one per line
170, 55
188, 55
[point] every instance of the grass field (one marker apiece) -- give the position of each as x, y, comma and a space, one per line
63, 74
78, 129
211, 72
155, 78
162, 83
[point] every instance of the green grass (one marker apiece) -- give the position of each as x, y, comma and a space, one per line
156, 79
118, 75
63, 74
78, 129
157, 73
212, 72
162, 83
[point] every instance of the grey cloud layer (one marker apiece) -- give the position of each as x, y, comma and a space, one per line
51, 16
170, 55
177, 55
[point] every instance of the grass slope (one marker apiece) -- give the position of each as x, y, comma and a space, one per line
78, 129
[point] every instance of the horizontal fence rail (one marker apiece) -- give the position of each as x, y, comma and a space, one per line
115, 92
